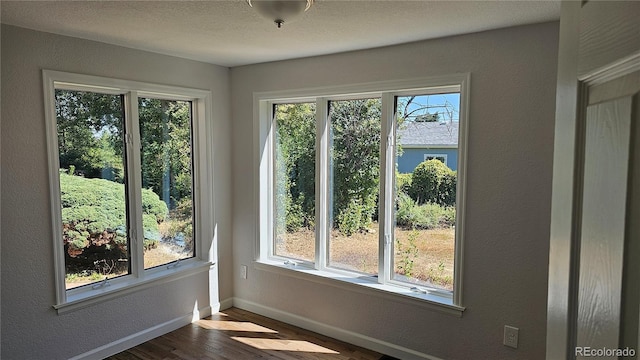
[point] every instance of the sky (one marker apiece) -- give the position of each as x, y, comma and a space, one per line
446, 105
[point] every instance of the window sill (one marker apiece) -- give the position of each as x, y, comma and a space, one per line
394, 293
129, 284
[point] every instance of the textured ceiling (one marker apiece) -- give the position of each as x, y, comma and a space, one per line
230, 33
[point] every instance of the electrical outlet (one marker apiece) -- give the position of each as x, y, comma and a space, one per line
243, 271
511, 336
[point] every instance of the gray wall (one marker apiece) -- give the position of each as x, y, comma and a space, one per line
31, 328
511, 124
509, 188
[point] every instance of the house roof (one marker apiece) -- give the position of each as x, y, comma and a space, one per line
425, 134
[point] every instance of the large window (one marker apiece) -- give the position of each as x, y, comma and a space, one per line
125, 160
333, 200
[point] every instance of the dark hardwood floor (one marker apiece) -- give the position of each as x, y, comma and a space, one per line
236, 334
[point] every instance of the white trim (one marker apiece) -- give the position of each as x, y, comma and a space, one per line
74, 81
400, 87
322, 182
202, 158
461, 191
428, 146
126, 285
140, 337
134, 183
225, 304
619, 68
54, 184
262, 189
334, 332
436, 301
387, 186
560, 322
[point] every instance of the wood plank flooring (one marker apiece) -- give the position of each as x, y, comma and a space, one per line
236, 334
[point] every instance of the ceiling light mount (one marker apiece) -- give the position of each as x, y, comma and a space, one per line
280, 11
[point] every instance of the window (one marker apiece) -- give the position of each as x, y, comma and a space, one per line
353, 185
166, 160
294, 176
440, 157
332, 202
425, 213
125, 159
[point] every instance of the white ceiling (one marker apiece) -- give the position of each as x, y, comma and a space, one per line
230, 33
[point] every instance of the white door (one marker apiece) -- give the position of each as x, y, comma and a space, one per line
606, 251
594, 258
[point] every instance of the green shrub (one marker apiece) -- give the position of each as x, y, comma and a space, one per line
447, 190
354, 218
406, 210
152, 205
94, 221
408, 254
293, 217
426, 216
433, 182
403, 182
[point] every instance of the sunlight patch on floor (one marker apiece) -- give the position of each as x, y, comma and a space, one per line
234, 326
284, 345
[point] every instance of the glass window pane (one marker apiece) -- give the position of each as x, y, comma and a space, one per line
167, 180
92, 186
426, 189
354, 186
294, 164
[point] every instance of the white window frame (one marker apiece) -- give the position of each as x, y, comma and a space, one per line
139, 278
448, 302
436, 156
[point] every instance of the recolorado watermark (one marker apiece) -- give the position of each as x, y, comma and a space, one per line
587, 351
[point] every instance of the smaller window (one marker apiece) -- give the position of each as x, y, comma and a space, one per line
125, 161
441, 157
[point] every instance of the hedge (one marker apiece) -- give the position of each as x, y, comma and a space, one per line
94, 221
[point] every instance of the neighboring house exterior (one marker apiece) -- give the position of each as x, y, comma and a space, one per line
422, 141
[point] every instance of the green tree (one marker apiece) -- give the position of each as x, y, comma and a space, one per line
295, 161
165, 135
355, 155
90, 133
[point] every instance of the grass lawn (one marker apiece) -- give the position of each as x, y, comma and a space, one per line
430, 251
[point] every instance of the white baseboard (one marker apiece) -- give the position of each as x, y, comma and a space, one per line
144, 335
334, 332
225, 304
312, 325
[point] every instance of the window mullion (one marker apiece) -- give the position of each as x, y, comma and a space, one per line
322, 182
273, 130
134, 184
386, 203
